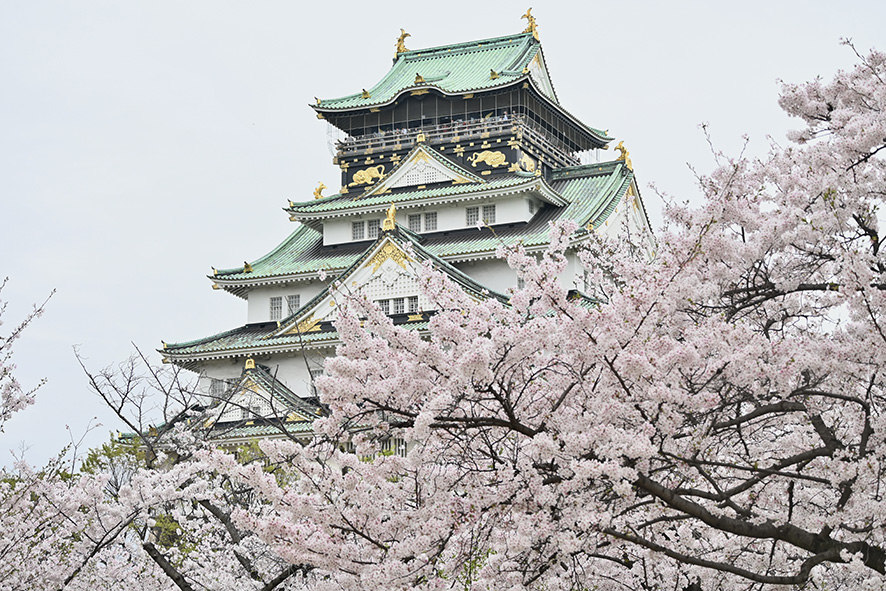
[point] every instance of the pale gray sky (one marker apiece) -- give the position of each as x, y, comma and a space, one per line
143, 142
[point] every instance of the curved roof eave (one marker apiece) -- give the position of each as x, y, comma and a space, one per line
601, 138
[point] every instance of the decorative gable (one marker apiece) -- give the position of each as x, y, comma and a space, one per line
424, 166
385, 272
259, 396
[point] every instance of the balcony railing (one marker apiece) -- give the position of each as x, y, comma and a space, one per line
456, 131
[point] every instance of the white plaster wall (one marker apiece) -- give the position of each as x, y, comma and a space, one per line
259, 299
508, 210
493, 273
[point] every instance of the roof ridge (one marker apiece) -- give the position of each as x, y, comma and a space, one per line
417, 53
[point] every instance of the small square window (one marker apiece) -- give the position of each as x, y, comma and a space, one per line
431, 221
489, 214
358, 230
398, 306
412, 302
276, 307
293, 303
472, 216
373, 228
385, 306
415, 222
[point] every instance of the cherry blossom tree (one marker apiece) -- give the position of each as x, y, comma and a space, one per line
710, 420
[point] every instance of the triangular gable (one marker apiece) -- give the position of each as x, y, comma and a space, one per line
258, 395
387, 270
423, 166
538, 71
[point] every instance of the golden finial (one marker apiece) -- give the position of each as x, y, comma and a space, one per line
531, 26
365, 94
318, 192
401, 45
625, 155
247, 268
419, 79
250, 363
420, 138
390, 219
493, 74
318, 100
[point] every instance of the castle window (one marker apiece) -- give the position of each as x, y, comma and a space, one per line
472, 216
415, 222
398, 306
293, 303
412, 302
217, 388
489, 214
430, 221
358, 230
373, 228
276, 307
385, 306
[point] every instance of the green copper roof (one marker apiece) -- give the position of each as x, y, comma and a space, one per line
348, 201
452, 69
592, 191
248, 339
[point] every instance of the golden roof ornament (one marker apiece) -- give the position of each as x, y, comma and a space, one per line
318, 192
419, 79
401, 43
250, 363
531, 26
625, 155
365, 94
247, 268
390, 219
420, 139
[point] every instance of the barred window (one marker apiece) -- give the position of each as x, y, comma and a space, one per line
489, 214
276, 307
293, 303
373, 228
472, 215
385, 306
358, 230
412, 304
415, 222
217, 388
430, 221
521, 283
398, 306
316, 372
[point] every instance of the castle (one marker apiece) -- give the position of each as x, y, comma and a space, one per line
456, 150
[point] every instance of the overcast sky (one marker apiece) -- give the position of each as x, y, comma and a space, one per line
142, 143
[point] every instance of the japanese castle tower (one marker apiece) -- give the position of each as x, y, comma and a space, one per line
452, 139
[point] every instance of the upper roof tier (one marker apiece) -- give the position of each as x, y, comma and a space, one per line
455, 69
460, 70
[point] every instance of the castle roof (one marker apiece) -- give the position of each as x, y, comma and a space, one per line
451, 69
460, 69
589, 193
301, 329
